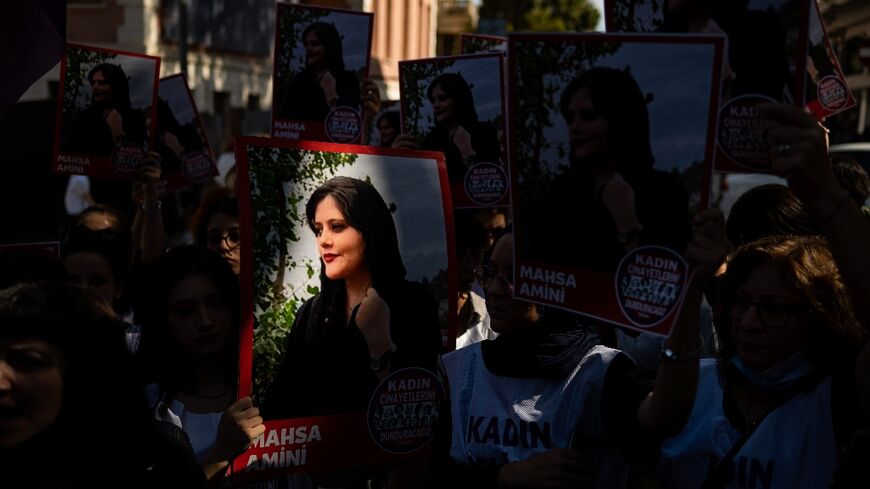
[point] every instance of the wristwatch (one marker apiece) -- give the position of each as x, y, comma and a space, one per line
669, 355
379, 363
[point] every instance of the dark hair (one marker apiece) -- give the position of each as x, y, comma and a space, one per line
365, 210
96, 367
806, 264
117, 79
455, 86
331, 40
619, 100
112, 247
851, 176
768, 210
392, 118
164, 361
218, 201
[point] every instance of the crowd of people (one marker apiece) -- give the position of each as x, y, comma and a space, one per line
119, 356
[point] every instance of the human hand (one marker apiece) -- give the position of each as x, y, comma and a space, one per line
371, 97
406, 141
116, 124
373, 321
799, 153
328, 85
240, 424
462, 141
559, 467
618, 197
709, 246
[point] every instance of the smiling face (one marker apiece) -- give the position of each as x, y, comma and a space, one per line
765, 338
315, 51
199, 316
31, 389
341, 247
443, 105
587, 128
101, 90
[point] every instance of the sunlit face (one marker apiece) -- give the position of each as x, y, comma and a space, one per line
443, 105
587, 129
315, 51
223, 236
387, 132
31, 389
200, 319
101, 90
92, 271
341, 247
762, 342
506, 314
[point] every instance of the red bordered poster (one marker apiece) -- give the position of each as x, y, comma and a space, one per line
612, 138
186, 157
106, 116
481, 43
322, 56
455, 105
324, 408
827, 90
766, 61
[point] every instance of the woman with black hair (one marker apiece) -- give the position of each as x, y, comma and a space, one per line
71, 411
458, 133
324, 83
215, 224
611, 199
110, 120
367, 319
190, 346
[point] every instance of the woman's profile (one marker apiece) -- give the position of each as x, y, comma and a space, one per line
109, 120
611, 199
458, 132
324, 83
367, 320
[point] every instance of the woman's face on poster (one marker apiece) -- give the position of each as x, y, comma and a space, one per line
588, 130
101, 91
200, 320
341, 246
315, 51
443, 105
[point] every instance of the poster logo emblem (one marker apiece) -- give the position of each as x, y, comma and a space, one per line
127, 158
743, 131
197, 165
832, 92
650, 281
485, 183
343, 125
403, 410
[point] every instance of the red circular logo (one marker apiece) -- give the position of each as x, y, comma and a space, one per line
343, 125
833, 93
197, 165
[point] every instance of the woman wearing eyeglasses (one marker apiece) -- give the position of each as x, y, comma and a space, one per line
547, 405
216, 225
775, 406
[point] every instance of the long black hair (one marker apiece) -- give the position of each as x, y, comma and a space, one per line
619, 100
366, 211
163, 360
455, 86
331, 41
117, 79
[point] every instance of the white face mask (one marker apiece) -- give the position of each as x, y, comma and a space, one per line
779, 376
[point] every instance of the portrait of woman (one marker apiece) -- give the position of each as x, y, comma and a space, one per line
366, 321
109, 120
611, 199
458, 133
324, 83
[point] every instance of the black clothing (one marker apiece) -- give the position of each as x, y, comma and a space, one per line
325, 369
91, 134
484, 142
305, 100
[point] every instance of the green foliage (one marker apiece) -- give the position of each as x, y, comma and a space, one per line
625, 19
415, 79
281, 182
78, 63
474, 44
543, 15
